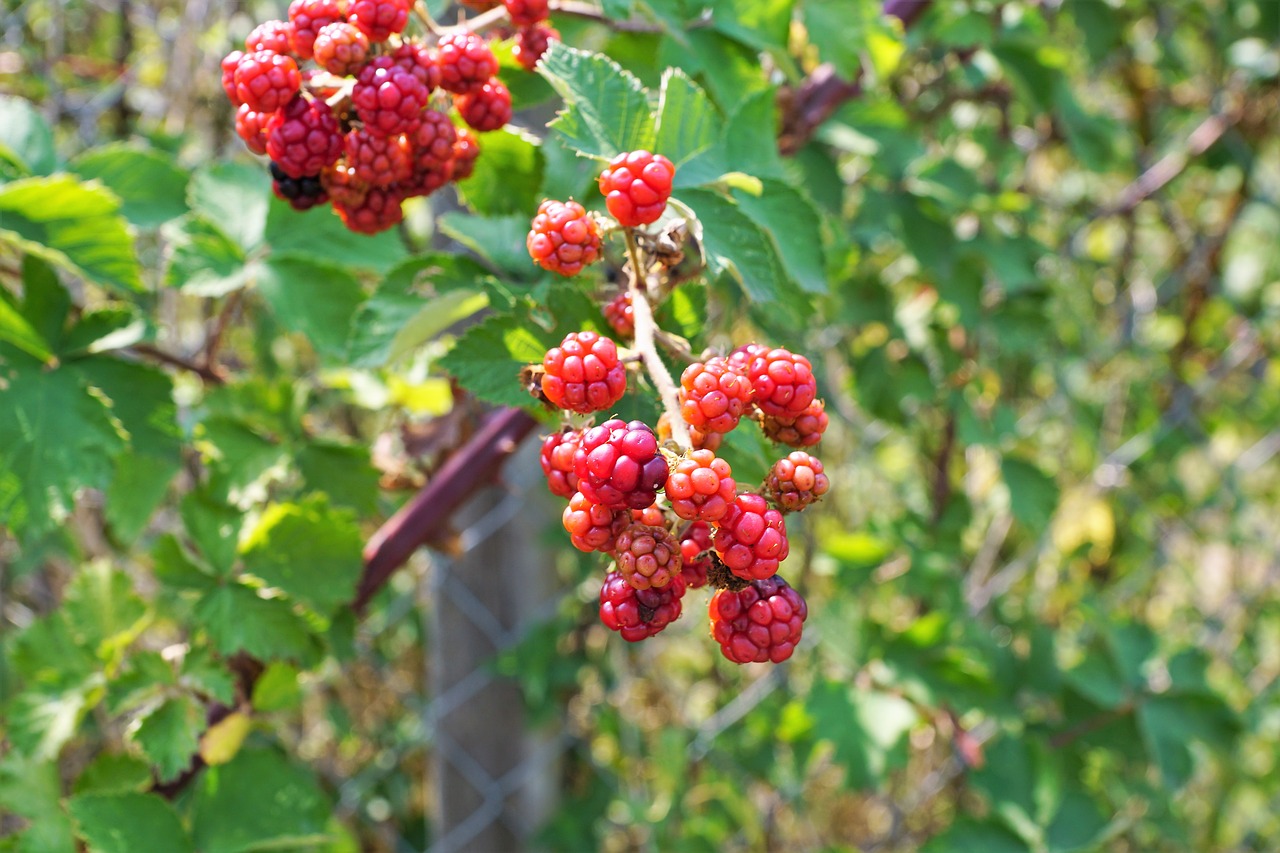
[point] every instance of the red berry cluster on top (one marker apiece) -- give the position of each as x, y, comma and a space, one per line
370, 125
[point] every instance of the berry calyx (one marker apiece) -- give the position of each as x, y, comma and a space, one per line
379, 19
340, 48
379, 210
308, 18
648, 557
388, 97
266, 80
621, 315
751, 538
304, 138
378, 161
697, 553
301, 193
526, 13
466, 63
275, 36
619, 465
796, 481
532, 42
563, 237
636, 186
638, 614
487, 108
713, 396
584, 373
593, 527
804, 430
783, 383
557, 462
701, 487
761, 622
251, 126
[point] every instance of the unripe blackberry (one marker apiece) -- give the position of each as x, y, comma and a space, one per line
229, 64
647, 556
593, 527
379, 211
804, 430
584, 373
531, 43
557, 462
466, 63
621, 315
751, 538
653, 515
713, 396
266, 81
526, 13
740, 358
637, 614
341, 48
388, 97
465, 152
761, 622
487, 108
636, 186
304, 138
783, 383
420, 61
619, 465
379, 19
701, 487
252, 128
697, 552
276, 36
796, 481
343, 186
308, 18
563, 237
379, 161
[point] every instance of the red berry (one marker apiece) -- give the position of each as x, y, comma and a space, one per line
532, 42
276, 36
379, 161
557, 462
526, 13
697, 553
648, 556
304, 138
563, 237
637, 614
804, 430
300, 193
713, 396
701, 487
388, 97
229, 63
621, 315
432, 142
583, 374
340, 48
761, 622
425, 182
343, 186
266, 81
796, 481
593, 527
783, 383
379, 211
465, 152
308, 18
636, 186
652, 515
740, 358
379, 19
619, 465
466, 63
486, 109
420, 61
751, 538
252, 128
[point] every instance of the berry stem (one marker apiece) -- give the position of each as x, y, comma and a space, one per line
478, 24
420, 10
645, 330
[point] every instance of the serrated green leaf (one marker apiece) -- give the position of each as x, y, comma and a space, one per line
25, 137
498, 240
868, 729
1033, 495
128, 823
239, 619
202, 672
240, 454
316, 299
104, 330
343, 472
258, 800
150, 186
687, 121
104, 611
169, 735
310, 550
214, 527
72, 225
236, 197
735, 245
204, 261
45, 302
487, 360
114, 773
794, 225
318, 234
41, 721
507, 178
969, 836
606, 108
15, 329
277, 688
33, 790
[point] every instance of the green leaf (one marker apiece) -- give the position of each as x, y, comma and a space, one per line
488, 358
202, 672
343, 472
241, 456
1036, 68
55, 438
114, 773
316, 299
507, 178
310, 550
45, 302
868, 729
103, 610
15, 329
73, 225
258, 800
498, 240
42, 721
736, 245
128, 823
150, 186
795, 226
33, 790
968, 836
169, 735
687, 122
1033, 495
277, 689
319, 234
214, 527
606, 109
204, 261
1092, 138
234, 196
25, 137
104, 330
1077, 825
1169, 724
239, 619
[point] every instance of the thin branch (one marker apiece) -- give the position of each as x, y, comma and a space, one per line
942, 469
644, 341
205, 372
214, 342
592, 13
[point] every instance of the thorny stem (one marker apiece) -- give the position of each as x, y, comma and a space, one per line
637, 285
420, 9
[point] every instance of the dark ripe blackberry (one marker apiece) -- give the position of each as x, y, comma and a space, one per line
301, 193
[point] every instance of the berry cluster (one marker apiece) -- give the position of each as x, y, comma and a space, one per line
370, 125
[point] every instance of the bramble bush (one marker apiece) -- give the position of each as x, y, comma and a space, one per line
961, 317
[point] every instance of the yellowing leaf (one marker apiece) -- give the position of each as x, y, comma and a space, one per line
223, 739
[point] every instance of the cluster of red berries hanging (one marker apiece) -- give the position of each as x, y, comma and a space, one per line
672, 517
370, 125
